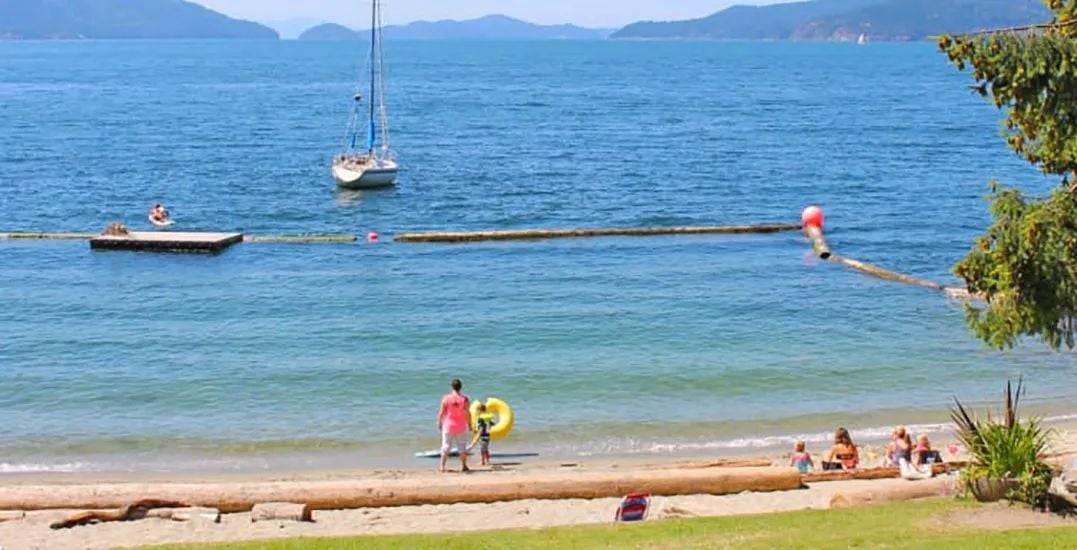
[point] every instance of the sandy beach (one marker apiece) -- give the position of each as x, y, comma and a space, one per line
33, 531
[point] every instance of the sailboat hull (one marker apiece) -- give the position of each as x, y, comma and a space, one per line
370, 175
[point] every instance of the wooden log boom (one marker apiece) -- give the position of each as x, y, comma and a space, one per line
815, 233
537, 234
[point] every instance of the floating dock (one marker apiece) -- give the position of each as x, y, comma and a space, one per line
166, 241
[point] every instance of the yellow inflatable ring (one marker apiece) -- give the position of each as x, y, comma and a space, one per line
496, 408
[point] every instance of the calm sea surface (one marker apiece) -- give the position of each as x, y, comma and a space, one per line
272, 356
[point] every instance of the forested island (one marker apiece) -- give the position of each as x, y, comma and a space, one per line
884, 20
99, 19
490, 27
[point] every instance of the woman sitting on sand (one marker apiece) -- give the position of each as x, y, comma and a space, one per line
900, 447
844, 454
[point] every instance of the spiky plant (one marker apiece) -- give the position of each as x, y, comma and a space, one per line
1008, 448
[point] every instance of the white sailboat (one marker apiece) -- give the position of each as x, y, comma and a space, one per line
375, 165
862, 40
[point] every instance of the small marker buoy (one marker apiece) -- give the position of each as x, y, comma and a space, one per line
373, 237
812, 217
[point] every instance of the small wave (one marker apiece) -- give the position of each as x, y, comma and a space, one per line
771, 442
1060, 418
781, 441
8, 468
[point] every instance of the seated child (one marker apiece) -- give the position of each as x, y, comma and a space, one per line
924, 454
801, 459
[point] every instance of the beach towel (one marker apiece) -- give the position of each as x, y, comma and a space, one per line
912, 472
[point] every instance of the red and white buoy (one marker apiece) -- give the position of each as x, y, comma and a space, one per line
812, 217
812, 220
373, 237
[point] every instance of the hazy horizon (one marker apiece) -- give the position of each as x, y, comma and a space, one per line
587, 13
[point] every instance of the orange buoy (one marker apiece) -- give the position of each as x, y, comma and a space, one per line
372, 237
812, 217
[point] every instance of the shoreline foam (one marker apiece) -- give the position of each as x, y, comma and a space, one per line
315, 462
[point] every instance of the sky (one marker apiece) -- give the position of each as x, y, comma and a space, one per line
589, 13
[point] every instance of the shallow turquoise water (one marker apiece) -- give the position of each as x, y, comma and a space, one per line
308, 356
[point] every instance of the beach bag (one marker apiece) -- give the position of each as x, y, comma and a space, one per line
634, 507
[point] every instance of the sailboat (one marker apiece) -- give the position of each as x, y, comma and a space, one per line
862, 40
374, 165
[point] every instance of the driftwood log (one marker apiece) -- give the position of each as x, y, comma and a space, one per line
210, 515
536, 234
285, 511
912, 490
722, 463
818, 242
351, 494
874, 473
136, 511
11, 515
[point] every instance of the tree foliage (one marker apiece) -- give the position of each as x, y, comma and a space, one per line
1025, 264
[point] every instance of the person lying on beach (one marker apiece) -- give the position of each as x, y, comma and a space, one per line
801, 459
924, 454
843, 454
900, 447
482, 435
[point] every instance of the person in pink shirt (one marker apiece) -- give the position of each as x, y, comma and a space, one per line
454, 423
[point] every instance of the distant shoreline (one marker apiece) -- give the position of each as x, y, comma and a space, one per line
6, 39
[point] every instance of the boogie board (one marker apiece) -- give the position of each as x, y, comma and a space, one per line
456, 453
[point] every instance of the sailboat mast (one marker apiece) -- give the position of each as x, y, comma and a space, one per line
373, 68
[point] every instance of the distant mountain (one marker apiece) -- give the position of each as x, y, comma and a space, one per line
491, 27
845, 20
920, 19
47, 19
773, 22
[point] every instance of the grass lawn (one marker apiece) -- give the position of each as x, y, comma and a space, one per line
937, 524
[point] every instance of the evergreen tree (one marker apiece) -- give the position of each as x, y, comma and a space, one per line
1025, 264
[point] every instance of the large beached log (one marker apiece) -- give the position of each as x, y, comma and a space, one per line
284, 511
536, 234
886, 274
874, 473
378, 493
818, 242
136, 511
911, 490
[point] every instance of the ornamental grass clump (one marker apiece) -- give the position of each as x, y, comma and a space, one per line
1006, 452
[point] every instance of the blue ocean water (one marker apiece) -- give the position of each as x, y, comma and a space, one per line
271, 356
